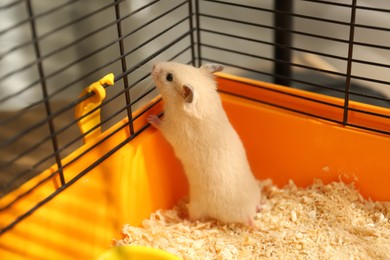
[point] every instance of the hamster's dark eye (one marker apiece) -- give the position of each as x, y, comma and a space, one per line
169, 77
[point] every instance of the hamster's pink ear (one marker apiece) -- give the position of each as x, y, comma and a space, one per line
211, 68
190, 104
188, 93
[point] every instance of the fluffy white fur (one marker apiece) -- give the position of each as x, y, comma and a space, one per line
221, 183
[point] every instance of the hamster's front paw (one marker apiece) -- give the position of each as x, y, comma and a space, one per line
154, 121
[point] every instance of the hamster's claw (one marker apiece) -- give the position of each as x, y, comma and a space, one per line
251, 223
154, 121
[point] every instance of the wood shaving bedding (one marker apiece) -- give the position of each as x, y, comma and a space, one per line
330, 221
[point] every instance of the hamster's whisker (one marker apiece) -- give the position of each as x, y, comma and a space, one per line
149, 84
144, 89
142, 69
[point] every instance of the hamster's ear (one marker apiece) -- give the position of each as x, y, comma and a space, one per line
188, 93
211, 68
190, 105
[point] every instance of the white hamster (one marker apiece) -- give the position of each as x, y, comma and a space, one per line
221, 184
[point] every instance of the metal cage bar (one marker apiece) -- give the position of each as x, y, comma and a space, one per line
283, 23
349, 62
45, 93
124, 67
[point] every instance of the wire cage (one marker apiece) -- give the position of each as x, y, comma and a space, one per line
326, 60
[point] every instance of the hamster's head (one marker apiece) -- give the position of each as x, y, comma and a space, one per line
186, 87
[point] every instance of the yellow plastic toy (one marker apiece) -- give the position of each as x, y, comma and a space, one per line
88, 110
